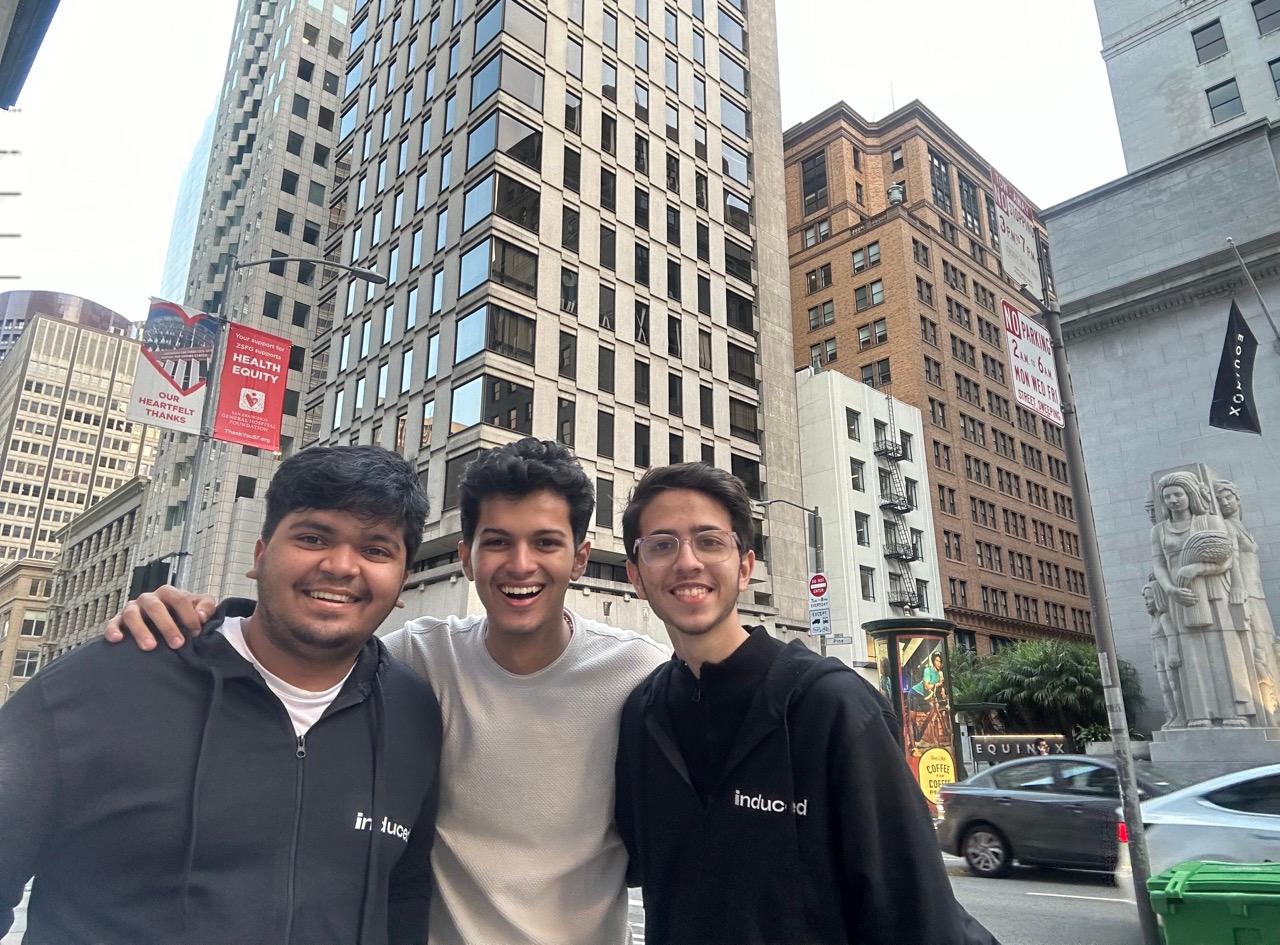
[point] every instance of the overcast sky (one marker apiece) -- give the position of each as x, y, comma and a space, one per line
112, 109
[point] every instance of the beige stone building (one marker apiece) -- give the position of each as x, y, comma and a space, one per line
67, 443
25, 587
95, 570
577, 208
896, 281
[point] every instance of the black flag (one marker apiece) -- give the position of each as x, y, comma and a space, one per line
1233, 405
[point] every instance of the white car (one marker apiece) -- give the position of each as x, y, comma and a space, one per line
1235, 817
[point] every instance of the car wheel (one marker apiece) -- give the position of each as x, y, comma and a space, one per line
986, 852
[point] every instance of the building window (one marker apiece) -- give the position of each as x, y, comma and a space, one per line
1224, 101
862, 528
25, 664
866, 257
867, 580
604, 434
877, 374
1275, 75
875, 333
1209, 41
813, 176
824, 352
940, 178
867, 296
857, 475
853, 424
1267, 13
820, 278
604, 503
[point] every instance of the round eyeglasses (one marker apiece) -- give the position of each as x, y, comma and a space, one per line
710, 547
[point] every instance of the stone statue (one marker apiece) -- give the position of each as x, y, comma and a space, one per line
1252, 601
1166, 652
1196, 564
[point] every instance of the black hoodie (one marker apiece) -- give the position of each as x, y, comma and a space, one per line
813, 833
164, 798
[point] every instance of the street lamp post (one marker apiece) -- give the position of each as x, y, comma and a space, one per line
196, 479
814, 528
1108, 661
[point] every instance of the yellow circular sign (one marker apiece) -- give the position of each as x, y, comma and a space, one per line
937, 768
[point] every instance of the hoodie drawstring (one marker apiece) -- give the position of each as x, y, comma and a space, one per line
367, 911
211, 712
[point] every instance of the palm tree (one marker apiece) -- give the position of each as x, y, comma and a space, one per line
1046, 685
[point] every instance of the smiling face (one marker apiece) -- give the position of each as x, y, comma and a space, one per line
326, 580
522, 559
690, 596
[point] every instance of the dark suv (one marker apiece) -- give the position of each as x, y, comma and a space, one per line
1054, 811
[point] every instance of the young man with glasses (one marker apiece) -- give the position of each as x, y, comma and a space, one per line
761, 794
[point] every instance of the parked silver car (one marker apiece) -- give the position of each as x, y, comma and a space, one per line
1235, 817
1053, 811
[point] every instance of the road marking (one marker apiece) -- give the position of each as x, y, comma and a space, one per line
1090, 898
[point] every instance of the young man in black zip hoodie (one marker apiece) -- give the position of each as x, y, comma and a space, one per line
283, 787
761, 795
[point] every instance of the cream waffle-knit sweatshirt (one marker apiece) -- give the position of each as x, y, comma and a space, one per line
526, 852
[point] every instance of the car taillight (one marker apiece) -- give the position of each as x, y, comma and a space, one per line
1122, 832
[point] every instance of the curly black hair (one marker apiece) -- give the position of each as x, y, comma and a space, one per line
522, 468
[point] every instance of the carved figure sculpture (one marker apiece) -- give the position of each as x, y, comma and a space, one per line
1166, 653
1252, 601
1193, 556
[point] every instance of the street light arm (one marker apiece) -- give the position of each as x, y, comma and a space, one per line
368, 275
815, 528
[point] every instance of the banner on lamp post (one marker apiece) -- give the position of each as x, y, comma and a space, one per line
251, 388
1016, 219
169, 382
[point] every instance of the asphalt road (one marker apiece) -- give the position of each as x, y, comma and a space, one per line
1048, 907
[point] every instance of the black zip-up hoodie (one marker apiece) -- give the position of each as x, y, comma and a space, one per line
164, 798
814, 832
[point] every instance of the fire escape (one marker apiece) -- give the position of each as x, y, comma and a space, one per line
898, 547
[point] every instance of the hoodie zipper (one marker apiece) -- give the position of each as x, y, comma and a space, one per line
300, 752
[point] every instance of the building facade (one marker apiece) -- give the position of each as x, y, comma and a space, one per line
865, 468
67, 443
266, 193
896, 281
1185, 71
94, 572
25, 587
564, 198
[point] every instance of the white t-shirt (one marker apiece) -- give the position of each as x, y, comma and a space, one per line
526, 852
304, 707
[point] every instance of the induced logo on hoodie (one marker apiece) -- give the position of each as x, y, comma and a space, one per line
388, 826
770, 805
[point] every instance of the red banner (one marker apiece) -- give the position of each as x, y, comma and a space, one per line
251, 388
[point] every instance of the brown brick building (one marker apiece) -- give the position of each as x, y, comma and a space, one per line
896, 281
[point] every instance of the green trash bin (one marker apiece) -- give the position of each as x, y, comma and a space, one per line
1207, 903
